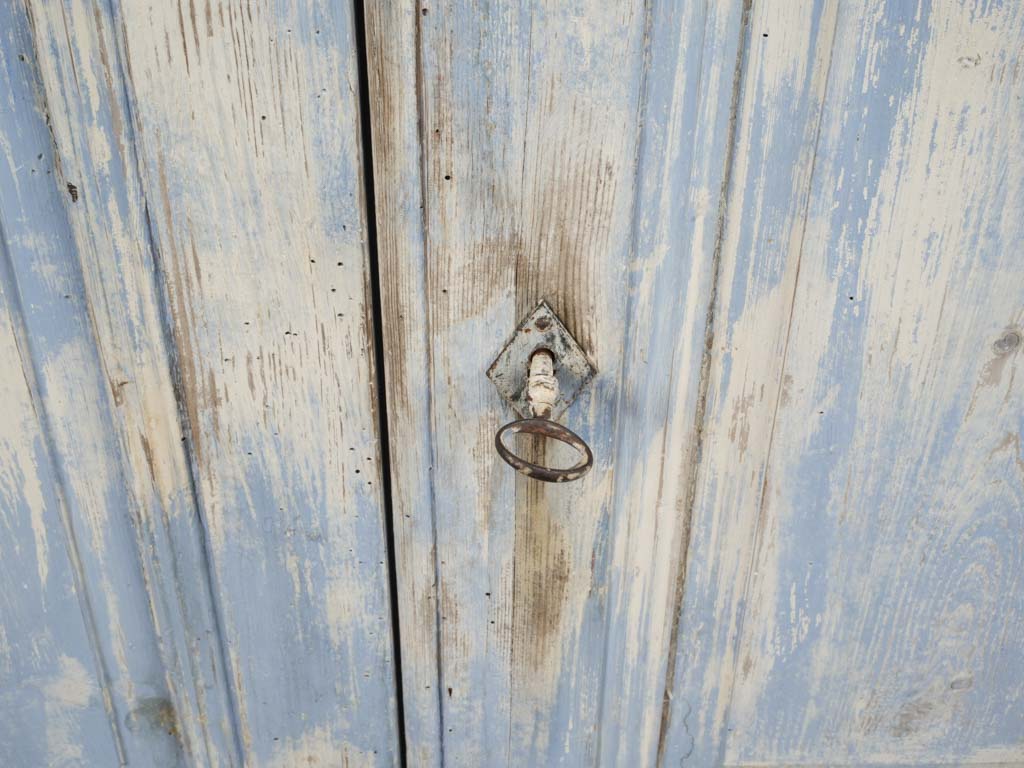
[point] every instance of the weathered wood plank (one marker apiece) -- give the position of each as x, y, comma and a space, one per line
695, 54
97, 168
511, 166
856, 571
393, 55
248, 130
229, 135
783, 83
52, 704
82, 679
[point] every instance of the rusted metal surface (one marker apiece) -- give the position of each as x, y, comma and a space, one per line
541, 330
541, 393
549, 429
527, 375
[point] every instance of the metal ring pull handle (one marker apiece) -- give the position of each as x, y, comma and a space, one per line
542, 391
545, 428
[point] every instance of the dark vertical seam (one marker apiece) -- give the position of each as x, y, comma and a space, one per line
759, 519
8, 282
641, 138
700, 415
376, 332
170, 350
429, 389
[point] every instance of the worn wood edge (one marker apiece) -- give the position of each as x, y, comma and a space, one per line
701, 688
113, 702
331, 599
393, 65
127, 316
29, 202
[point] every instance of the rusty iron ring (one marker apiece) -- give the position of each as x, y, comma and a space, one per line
545, 428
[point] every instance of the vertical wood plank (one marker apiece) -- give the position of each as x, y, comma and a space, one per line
248, 130
83, 677
97, 169
52, 703
393, 64
52, 706
855, 568
783, 83
511, 165
223, 142
695, 55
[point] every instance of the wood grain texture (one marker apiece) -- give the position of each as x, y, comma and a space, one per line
574, 153
392, 36
252, 167
217, 146
52, 702
854, 589
96, 167
82, 677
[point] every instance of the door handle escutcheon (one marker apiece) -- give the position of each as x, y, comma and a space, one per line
539, 373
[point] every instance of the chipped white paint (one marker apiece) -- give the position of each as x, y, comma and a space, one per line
541, 384
210, 164
855, 562
536, 621
789, 235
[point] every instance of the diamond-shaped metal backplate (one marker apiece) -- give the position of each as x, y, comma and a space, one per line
541, 330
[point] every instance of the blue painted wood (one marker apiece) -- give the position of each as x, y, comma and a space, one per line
742, 418
219, 153
82, 677
525, 154
539, 618
690, 92
52, 702
265, 578
855, 567
788, 234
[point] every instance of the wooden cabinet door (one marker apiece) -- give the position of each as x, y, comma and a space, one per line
257, 258
854, 590
575, 153
190, 435
789, 236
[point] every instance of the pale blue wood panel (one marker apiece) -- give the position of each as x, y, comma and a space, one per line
246, 126
694, 51
51, 700
108, 248
82, 677
783, 77
528, 150
855, 584
574, 152
393, 69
